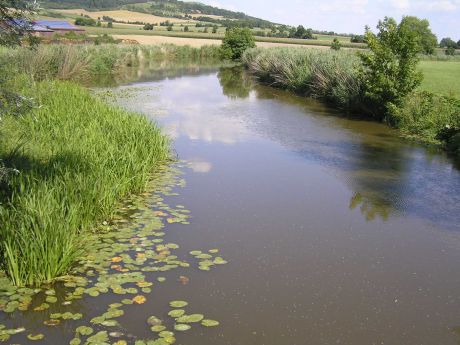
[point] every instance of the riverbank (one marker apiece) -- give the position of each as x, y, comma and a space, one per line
75, 157
333, 77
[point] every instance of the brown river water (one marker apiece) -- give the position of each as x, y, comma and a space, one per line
336, 231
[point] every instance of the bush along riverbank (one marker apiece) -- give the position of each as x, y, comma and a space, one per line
381, 84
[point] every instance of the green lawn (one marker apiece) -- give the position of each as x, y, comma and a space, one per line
441, 76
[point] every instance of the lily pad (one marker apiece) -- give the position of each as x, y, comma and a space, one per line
176, 313
182, 327
190, 318
178, 304
210, 323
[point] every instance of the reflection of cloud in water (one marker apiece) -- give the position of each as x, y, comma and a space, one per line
196, 124
199, 165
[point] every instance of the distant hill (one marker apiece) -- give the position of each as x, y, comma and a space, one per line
164, 8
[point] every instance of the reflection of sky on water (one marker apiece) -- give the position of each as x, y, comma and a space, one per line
386, 175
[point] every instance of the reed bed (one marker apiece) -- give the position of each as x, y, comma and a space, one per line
76, 158
327, 75
82, 63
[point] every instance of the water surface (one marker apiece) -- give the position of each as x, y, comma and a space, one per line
337, 231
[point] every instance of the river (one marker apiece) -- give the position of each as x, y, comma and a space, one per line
336, 231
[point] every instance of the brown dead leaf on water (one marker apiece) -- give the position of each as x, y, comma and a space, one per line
184, 280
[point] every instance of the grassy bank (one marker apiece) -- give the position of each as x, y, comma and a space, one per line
76, 157
334, 77
83, 62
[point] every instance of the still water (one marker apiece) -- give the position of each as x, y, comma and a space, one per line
336, 231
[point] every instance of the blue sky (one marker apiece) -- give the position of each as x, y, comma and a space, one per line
350, 15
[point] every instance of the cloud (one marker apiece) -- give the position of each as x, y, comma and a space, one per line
401, 4
354, 6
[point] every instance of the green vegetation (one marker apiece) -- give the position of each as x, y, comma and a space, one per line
236, 42
325, 74
382, 84
336, 45
67, 184
426, 39
83, 21
15, 15
441, 77
389, 71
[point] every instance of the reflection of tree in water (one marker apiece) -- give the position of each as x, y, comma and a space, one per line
371, 208
235, 82
373, 162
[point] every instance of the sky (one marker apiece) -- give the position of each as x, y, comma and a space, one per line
350, 16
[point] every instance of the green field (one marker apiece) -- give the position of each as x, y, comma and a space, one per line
441, 76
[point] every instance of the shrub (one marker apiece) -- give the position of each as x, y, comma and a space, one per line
435, 118
186, 29
83, 21
450, 51
336, 44
170, 28
148, 26
389, 71
236, 42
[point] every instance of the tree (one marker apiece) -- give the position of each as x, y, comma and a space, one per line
448, 43
85, 22
148, 26
16, 17
427, 40
214, 29
357, 39
110, 25
170, 28
450, 51
301, 32
336, 45
236, 42
389, 71
186, 29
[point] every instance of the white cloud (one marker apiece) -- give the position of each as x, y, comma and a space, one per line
354, 6
401, 4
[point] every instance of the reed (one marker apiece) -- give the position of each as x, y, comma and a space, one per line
77, 157
327, 75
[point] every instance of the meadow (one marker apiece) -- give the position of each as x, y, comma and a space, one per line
441, 76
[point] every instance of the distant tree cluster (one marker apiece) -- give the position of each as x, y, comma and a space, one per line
301, 33
449, 45
83, 21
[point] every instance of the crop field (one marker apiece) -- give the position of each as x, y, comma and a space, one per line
123, 15
441, 76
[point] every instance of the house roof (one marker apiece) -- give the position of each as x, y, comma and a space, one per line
57, 25
27, 25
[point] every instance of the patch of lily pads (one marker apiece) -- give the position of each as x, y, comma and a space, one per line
127, 258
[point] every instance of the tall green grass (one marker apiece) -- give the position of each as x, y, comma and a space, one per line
328, 75
76, 157
83, 62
